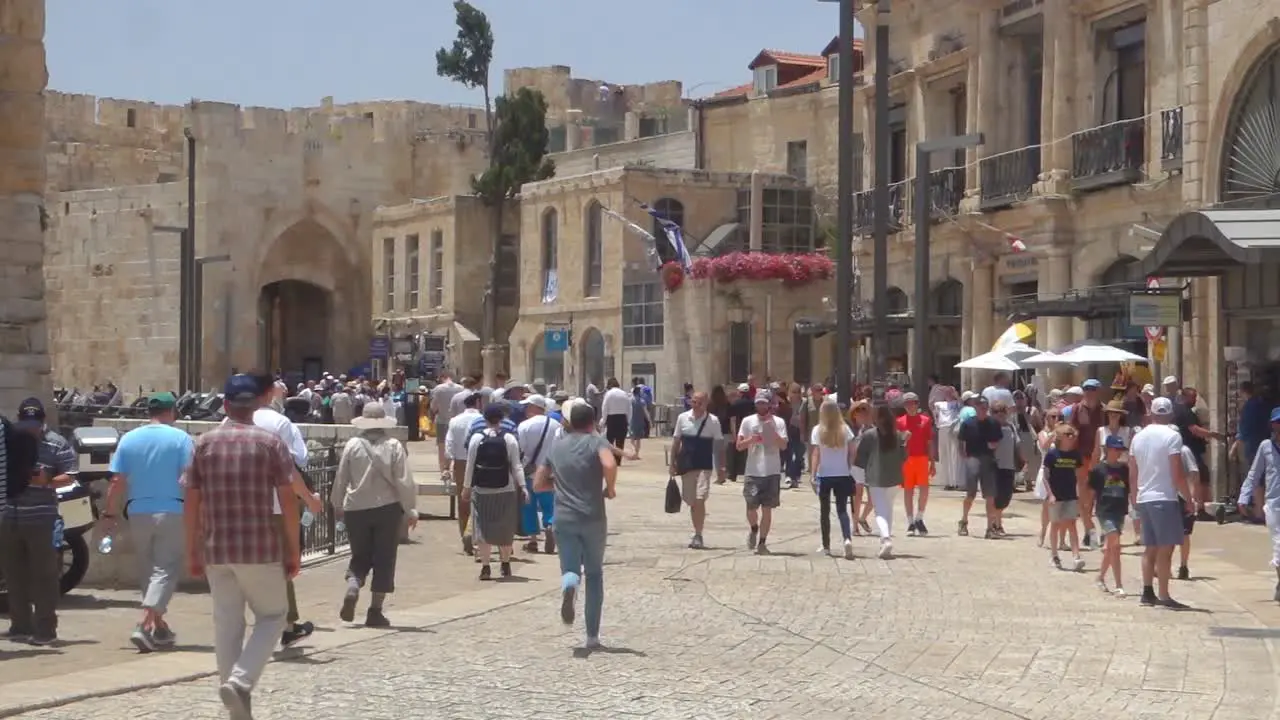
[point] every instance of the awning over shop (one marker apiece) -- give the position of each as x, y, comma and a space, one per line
1209, 242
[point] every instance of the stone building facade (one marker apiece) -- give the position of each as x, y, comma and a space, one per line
24, 351
287, 196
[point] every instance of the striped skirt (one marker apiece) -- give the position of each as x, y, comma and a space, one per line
495, 517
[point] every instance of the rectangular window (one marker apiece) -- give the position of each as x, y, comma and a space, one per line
1131, 71
411, 261
595, 252
642, 307
437, 269
739, 351
389, 274
833, 68
788, 221
765, 79
798, 159
508, 275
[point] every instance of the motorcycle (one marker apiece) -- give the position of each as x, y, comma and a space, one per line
77, 507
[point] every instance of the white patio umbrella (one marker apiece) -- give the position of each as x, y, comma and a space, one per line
1085, 353
1007, 358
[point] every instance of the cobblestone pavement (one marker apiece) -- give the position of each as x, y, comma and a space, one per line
951, 628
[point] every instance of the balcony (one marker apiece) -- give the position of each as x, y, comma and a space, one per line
946, 190
899, 208
1008, 177
1108, 155
1171, 139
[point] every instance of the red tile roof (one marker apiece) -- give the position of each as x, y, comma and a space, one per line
781, 57
834, 46
794, 69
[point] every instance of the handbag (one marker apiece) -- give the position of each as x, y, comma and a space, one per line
528, 467
673, 501
679, 459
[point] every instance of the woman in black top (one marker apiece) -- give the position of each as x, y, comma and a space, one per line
718, 405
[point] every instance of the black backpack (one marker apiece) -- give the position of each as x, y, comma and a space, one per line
492, 467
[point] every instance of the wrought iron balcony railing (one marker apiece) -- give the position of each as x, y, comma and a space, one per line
1108, 155
1007, 177
946, 190
899, 208
1171, 138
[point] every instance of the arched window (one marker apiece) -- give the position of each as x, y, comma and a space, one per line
550, 254
593, 268
898, 302
667, 209
948, 298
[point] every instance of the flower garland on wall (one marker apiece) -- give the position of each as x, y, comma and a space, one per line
792, 269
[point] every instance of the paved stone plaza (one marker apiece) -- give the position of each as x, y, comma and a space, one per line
952, 628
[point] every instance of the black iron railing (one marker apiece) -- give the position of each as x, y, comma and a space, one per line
899, 207
1171, 138
323, 537
1008, 177
1111, 154
946, 190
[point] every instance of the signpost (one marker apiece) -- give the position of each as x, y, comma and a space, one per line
556, 337
1154, 332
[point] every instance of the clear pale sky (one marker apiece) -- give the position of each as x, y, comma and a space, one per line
287, 53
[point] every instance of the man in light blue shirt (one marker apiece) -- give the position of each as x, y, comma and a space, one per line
147, 470
1265, 473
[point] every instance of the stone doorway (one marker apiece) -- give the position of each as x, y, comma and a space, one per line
296, 318
592, 359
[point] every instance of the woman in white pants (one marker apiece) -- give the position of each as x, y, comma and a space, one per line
881, 452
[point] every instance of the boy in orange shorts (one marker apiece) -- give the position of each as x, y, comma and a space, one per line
919, 467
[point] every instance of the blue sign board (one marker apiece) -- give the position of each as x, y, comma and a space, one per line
379, 348
556, 339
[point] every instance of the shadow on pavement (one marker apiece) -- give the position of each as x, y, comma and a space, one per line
1245, 633
583, 653
94, 602
29, 652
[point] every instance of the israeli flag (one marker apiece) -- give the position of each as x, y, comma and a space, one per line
552, 289
675, 236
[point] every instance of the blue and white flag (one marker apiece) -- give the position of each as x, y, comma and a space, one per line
651, 243
675, 236
552, 289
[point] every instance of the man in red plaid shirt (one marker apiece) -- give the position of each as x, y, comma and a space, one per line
236, 540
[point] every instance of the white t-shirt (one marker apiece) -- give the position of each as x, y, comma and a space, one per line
832, 462
998, 396
762, 461
687, 424
616, 402
283, 428
1151, 450
1189, 464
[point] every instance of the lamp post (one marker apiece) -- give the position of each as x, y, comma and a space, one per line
920, 358
845, 288
880, 199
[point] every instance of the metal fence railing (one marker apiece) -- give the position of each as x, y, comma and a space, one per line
323, 537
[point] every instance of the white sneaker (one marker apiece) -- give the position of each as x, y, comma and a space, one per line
822, 551
1079, 564
886, 549
848, 549
1118, 592
1101, 585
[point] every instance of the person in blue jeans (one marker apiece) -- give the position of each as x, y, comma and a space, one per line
582, 470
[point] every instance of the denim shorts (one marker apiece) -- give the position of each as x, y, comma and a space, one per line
1109, 523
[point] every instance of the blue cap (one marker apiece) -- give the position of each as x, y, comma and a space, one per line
31, 413
1116, 442
240, 388
1091, 384
1275, 415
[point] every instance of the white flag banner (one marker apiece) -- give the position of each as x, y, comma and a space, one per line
651, 244
551, 290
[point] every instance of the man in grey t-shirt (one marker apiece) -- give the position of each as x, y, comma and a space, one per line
582, 470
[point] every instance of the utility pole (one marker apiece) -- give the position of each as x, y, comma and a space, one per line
921, 360
187, 323
880, 199
845, 288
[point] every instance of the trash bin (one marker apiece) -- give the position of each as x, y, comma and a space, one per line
411, 417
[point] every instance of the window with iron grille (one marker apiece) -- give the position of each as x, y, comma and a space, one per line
389, 274
642, 315
411, 261
739, 351
593, 269
788, 219
436, 288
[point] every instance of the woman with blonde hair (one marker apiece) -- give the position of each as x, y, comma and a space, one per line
831, 450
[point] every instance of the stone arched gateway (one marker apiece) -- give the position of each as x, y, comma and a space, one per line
313, 303
591, 359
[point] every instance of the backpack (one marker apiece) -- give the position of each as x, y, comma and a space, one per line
492, 466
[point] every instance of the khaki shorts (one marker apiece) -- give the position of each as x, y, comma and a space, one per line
695, 485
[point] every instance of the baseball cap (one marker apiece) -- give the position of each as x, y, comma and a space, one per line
980, 399
240, 389
1091, 384
1171, 380
1116, 442
744, 388
1148, 389
967, 395
763, 396
1275, 415
161, 401
31, 413
1074, 390
910, 397
535, 399
1161, 406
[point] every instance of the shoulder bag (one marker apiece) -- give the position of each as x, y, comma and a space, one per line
529, 465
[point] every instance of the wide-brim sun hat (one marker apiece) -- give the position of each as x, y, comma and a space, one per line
374, 416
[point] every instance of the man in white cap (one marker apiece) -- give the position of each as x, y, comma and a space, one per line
1155, 462
536, 435
762, 436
